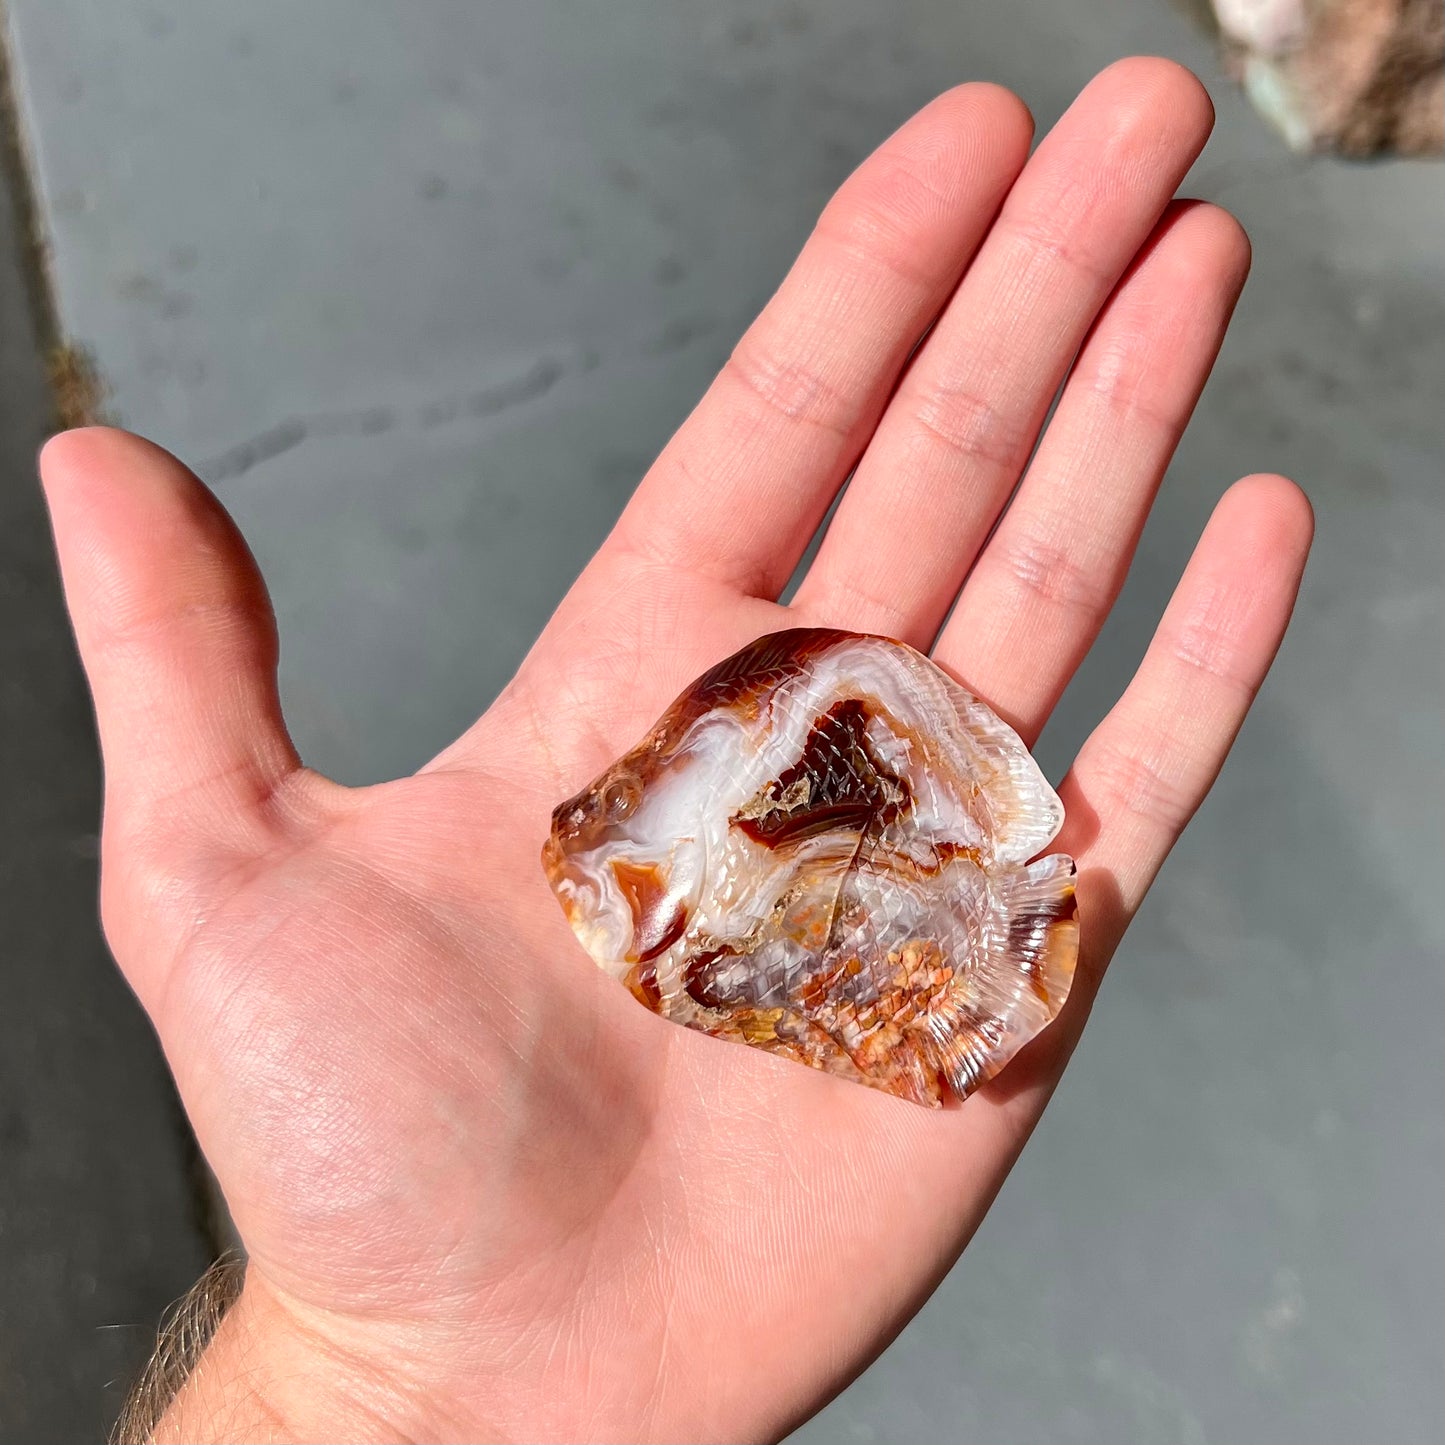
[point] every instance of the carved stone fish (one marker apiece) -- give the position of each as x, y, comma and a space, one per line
821, 849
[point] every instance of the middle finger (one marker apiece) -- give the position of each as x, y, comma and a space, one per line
954, 439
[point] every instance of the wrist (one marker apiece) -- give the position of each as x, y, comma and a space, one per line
271, 1374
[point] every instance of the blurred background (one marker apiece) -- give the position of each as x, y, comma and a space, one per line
421, 289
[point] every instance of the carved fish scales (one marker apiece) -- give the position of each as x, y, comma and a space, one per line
822, 850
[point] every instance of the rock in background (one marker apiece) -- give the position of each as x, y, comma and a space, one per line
1354, 76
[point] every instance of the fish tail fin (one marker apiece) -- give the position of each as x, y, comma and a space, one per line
1020, 983
1041, 941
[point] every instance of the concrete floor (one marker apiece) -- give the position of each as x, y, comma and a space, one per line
422, 288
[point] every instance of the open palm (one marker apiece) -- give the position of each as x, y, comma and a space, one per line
484, 1194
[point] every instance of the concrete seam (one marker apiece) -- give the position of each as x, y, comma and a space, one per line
76, 387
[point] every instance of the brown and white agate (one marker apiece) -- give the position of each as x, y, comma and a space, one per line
822, 849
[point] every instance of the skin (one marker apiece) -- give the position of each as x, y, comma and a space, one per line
484, 1193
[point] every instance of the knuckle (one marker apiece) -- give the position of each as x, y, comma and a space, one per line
842, 601
1049, 573
970, 426
872, 238
1206, 647
879, 219
227, 622
787, 387
1124, 385
1048, 243
1138, 784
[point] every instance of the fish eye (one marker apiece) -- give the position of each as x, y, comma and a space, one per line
620, 799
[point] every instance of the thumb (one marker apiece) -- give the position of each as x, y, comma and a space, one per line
179, 643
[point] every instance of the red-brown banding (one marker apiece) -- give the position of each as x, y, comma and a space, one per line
739, 681
838, 782
641, 981
657, 920
699, 974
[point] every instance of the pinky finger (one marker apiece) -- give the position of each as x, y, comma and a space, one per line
1150, 763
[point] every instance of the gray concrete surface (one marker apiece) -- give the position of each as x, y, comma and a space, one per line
422, 288
99, 1223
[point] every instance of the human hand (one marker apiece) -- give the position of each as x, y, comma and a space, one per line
483, 1193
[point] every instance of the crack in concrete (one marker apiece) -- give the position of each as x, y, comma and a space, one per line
290, 433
